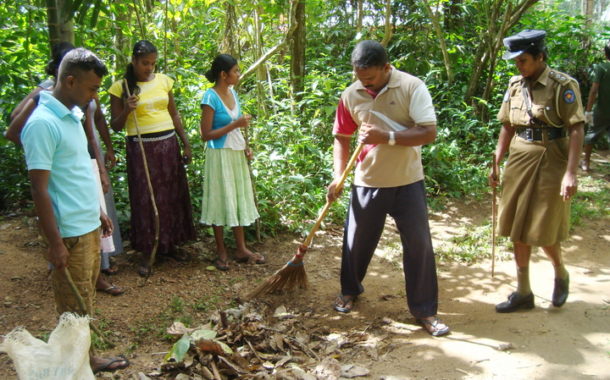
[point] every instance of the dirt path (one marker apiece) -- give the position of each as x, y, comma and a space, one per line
572, 342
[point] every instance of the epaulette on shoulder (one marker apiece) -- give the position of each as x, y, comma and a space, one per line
560, 77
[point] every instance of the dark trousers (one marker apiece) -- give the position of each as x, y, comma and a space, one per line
363, 228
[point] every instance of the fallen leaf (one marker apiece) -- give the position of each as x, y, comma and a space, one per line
351, 370
207, 345
179, 350
203, 334
283, 361
178, 329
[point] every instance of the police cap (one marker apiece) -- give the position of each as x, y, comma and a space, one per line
518, 43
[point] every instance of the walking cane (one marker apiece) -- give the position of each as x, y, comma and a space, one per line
493, 217
151, 191
257, 223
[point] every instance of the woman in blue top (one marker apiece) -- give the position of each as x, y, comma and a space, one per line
228, 199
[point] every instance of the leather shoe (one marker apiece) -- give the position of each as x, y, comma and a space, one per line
561, 290
515, 302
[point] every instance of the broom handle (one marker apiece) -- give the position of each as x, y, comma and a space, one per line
348, 168
151, 260
493, 218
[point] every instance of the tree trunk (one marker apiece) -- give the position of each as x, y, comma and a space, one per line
587, 12
453, 15
359, 15
121, 41
59, 19
297, 53
388, 24
281, 44
491, 43
441, 37
260, 70
228, 44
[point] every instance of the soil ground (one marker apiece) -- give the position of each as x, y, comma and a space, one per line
572, 342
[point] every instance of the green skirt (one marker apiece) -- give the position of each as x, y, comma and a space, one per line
228, 199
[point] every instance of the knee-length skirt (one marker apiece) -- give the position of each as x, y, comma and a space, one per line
531, 209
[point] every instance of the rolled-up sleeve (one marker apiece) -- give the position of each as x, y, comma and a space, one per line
344, 123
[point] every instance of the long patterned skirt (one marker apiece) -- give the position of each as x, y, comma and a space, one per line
170, 186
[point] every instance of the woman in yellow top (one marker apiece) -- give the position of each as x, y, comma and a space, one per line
158, 121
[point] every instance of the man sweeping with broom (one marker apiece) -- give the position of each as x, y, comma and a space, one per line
394, 115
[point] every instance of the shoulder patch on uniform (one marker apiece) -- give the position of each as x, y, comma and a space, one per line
559, 77
569, 96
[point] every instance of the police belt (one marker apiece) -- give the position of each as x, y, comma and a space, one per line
539, 133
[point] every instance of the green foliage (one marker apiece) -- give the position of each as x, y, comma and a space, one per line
592, 199
292, 141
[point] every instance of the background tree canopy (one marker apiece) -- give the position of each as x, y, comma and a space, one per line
294, 55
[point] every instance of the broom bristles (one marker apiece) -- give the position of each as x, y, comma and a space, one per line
287, 278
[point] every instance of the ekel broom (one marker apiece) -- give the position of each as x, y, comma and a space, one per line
151, 260
293, 273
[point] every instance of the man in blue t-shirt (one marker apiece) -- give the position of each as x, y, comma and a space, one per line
64, 189
598, 120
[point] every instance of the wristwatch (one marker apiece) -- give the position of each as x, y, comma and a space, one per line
391, 139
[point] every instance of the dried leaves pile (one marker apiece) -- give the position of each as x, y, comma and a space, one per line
243, 343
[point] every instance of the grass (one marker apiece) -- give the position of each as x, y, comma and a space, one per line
590, 203
593, 197
177, 310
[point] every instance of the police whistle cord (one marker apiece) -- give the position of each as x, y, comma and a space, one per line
153, 254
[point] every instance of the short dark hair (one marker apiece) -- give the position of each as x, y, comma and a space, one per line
368, 54
223, 62
81, 59
58, 51
607, 50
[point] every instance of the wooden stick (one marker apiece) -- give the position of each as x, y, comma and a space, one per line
493, 217
151, 260
81, 303
257, 223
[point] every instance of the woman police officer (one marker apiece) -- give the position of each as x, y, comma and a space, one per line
542, 127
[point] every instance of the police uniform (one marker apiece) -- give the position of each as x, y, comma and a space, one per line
531, 209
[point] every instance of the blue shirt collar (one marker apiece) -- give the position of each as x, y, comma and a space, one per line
57, 107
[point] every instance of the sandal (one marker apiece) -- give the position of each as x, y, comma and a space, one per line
144, 270
434, 326
221, 265
254, 258
113, 364
113, 290
344, 304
